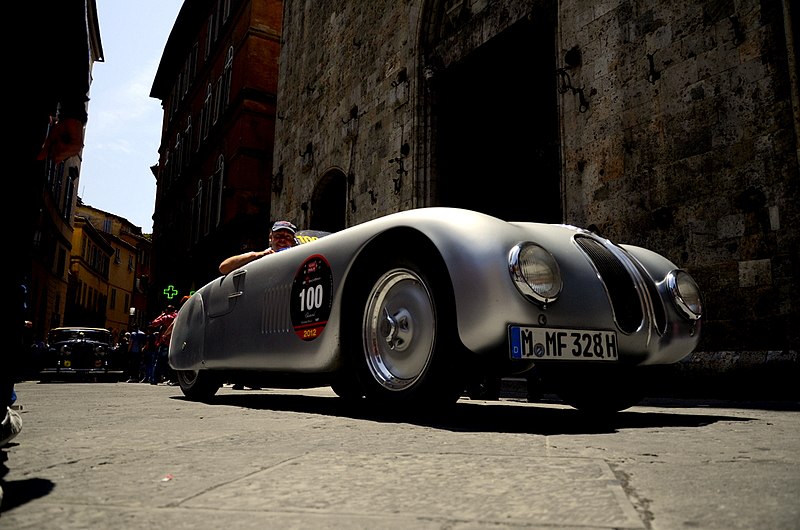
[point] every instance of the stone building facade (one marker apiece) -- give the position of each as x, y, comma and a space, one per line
670, 125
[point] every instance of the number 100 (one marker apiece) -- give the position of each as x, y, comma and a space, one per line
311, 298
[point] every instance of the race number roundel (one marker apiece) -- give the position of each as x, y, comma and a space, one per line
312, 298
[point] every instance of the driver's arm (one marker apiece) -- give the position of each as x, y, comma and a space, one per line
234, 262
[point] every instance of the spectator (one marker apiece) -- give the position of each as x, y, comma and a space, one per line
150, 357
162, 324
136, 358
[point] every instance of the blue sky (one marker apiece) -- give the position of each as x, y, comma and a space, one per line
124, 127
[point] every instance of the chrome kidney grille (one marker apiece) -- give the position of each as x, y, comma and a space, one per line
620, 285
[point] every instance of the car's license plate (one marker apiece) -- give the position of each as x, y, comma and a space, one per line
562, 344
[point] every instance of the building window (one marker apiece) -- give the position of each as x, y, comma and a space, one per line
58, 179
178, 155
70, 193
173, 101
188, 141
197, 211
226, 78
209, 205
117, 259
215, 192
217, 100
112, 303
193, 62
166, 170
205, 121
209, 34
185, 76
61, 266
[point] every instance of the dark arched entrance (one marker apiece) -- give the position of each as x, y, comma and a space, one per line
328, 202
495, 135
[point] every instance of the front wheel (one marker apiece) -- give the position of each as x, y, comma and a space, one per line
198, 385
403, 344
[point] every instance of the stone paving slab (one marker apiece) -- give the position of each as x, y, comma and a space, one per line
487, 489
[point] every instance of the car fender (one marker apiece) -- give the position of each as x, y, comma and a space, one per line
186, 345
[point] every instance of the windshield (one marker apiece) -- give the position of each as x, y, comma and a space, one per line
62, 335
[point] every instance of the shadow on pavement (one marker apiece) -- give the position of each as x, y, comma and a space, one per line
495, 416
18, 492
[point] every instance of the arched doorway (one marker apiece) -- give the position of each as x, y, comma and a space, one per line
328, 202
494, 135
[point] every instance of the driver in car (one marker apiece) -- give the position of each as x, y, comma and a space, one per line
281, 237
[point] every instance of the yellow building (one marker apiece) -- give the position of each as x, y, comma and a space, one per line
128, 269
120, 283
88, 281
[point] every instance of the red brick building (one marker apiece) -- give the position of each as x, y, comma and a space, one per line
217, 81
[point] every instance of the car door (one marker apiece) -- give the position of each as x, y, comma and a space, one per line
225, 292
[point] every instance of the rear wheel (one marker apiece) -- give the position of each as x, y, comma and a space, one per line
198, 385
402, 344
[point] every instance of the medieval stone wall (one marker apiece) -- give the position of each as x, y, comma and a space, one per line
340, 105
689, 146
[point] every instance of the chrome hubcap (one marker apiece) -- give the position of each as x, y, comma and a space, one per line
399, 329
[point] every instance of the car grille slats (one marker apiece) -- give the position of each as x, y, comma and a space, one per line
620, 286
659, 313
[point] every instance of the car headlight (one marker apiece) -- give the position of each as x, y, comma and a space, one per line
685, 293
535, 272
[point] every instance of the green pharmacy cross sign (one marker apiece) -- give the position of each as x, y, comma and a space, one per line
170, 292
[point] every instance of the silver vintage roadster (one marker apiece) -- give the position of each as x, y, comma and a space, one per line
407, 310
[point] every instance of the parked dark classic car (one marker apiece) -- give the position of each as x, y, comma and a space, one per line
81, 352
410, 309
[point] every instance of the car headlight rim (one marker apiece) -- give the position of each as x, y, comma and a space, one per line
685, 293
535, 272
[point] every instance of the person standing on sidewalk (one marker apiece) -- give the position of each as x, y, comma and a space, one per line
162, 324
